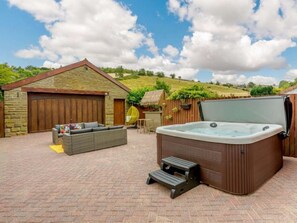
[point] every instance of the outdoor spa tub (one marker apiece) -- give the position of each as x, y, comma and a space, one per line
238, 145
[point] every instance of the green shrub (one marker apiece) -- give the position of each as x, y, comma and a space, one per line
162, 85
262, 91
134, 97
192, 92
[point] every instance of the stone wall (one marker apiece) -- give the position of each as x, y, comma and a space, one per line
15, 112
81, 78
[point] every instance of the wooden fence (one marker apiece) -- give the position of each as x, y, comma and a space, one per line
174, 114
1, 119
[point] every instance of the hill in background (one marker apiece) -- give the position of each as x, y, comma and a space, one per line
176, 84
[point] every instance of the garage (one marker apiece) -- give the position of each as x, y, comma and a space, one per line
45, 110
78, 92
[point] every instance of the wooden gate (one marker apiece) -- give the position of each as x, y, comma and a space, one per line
1, 119
119, 112
47, 110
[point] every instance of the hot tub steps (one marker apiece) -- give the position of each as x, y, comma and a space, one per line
176, 174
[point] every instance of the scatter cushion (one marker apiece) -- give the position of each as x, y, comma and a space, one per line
96, 129
79, 126
78, 131
66, 128
101, 125
57, 127
91, 124
116, 127
72, 126
62, 129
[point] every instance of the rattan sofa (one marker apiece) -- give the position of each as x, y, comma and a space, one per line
94, 140
57, 134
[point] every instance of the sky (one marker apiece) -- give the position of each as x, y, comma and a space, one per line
227, 41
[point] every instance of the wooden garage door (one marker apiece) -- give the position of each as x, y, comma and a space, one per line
47, 110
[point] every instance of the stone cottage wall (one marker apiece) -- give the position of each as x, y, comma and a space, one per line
81, 78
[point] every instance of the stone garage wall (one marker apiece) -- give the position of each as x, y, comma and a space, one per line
81, 78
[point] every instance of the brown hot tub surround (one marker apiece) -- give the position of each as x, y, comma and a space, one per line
237, 169
234, 157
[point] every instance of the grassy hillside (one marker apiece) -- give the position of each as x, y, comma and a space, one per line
176, 84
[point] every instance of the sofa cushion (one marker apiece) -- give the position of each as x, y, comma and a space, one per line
72, 126
101, 125
64, 129
58, 128
78, 131
91, 124
116, 127
79, 126
96, 129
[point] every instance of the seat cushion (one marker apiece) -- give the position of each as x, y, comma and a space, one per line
116, 127
78, 131
58, 128
91, 124
96, 129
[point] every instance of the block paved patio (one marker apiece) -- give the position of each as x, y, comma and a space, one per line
39, 185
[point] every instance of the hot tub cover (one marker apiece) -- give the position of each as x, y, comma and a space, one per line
265, 110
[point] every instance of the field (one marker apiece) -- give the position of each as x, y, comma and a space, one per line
176, 84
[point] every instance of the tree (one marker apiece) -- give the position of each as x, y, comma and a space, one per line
284, 84
141, 72
7, 75
251, 85
162, 85
160, 74
119, 72
149, 73
172, 76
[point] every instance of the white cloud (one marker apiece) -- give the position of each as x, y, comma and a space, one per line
270, 22
105, 32
50, 64
229, 36
226, 36
151, 45
291, 75
44, 11
203, 50
171, 51
242, 79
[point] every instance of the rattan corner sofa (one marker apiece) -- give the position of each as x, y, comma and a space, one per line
94, 138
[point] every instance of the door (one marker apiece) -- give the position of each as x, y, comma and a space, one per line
119, 111
47, 110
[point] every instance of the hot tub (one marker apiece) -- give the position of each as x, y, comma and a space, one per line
237, 151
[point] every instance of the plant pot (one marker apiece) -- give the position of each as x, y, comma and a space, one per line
186, 106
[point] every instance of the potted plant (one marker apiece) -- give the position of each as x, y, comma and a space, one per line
184, 105
175, 109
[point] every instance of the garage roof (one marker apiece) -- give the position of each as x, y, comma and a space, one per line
60, 70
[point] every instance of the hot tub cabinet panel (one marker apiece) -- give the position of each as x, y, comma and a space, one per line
234, 168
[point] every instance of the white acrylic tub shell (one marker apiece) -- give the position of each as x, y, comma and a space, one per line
224, 132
